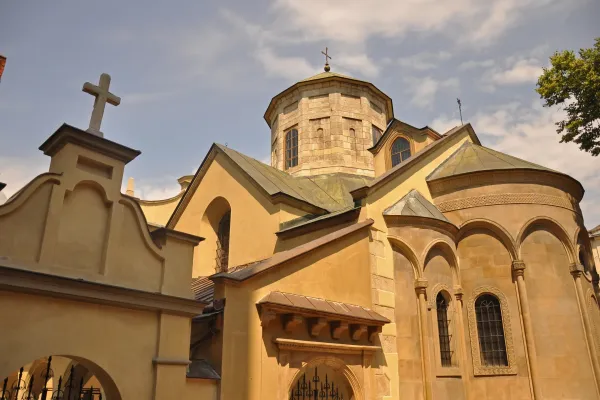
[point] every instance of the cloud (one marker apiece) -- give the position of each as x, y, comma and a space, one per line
424, 61
472, 64
522, 71
472, 21
527, 131
358, 62
154, 188
424, 90
291, 68
16, 172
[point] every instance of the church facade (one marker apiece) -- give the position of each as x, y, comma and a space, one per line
371, 260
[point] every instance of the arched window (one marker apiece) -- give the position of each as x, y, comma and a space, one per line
400, 151
490, 331
443, 330
291, 148
223, 242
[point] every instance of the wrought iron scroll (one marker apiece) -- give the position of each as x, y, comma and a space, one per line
315, 389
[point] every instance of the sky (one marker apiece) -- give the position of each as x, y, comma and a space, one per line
191, 73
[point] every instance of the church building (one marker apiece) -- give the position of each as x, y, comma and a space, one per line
371, 260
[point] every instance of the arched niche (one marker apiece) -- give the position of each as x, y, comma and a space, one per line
440, 263
325, 371
205, 260
490, 228
551, 226
59, 377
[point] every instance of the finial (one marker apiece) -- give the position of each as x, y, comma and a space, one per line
327, 58
102, 96
459, 109
130, 187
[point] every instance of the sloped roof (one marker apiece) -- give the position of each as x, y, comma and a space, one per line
414, 204
275, 181
426, 129
364, 190
324, 75
595, 231
325, 193
243, 272
471, 157
320, 306
203, 289
329, 76
201, 369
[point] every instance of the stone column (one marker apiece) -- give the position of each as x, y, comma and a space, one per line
577, 271
421, 289
518, 269
462, 342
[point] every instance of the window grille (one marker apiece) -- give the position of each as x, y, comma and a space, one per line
400, 151
291, 148
444, 330
223, 242
490, 331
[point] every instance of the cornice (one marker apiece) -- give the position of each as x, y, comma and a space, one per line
323, 347
43, 284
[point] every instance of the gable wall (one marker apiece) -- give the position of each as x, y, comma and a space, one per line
338, 271
418, 141
254, 219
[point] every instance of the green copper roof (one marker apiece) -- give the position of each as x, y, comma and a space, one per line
414, 204
471, 157
274, 182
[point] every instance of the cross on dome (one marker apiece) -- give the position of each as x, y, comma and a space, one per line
103, 96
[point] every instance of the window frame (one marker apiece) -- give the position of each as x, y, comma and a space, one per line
478, 368
286, 143
454, 369
409, 149
379, 133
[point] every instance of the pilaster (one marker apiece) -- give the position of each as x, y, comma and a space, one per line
421, 291
577, 270
384, 298
518, 270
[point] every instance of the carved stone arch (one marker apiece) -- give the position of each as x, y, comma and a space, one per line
437, 288
552, 226
478, 368
449, 249
404, 249
337, 365
498, 230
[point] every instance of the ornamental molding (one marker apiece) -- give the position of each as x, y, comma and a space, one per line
478, 368
507, 198
438, 287
322, 347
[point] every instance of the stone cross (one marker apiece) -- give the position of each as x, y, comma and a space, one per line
327, 58
103, 96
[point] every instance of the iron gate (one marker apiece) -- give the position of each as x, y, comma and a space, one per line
315, 389
62, 389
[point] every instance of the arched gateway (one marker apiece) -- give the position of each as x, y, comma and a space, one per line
59, 377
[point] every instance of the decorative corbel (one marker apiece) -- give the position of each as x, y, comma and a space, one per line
290, 322
576, 269
316, 325
373, 332
518, 268
266, 316
338, 328
356, 331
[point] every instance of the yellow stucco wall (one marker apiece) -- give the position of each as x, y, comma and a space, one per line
254, 219
67, 240
249, 358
